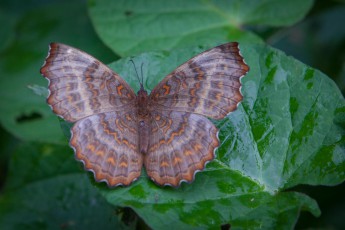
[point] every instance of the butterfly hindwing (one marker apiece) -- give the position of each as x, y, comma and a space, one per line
180, 145
107, 144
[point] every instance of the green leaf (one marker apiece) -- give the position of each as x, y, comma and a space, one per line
130, 27
46, 190
23, 113
288, 130
295, 115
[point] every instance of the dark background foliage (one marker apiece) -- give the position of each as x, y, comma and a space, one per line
28, 155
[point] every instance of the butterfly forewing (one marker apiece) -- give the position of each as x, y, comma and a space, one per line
81, 86
208, 84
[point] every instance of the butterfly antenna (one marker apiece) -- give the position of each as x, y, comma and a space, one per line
135, 68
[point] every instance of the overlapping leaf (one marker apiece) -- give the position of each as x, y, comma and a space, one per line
131, 27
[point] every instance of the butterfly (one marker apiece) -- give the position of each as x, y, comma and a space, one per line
116, 131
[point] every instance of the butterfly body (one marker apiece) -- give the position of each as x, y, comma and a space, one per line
117, 132
144, 116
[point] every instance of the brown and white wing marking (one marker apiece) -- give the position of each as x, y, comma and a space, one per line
180, 145
81, 86
107, 144
208, 84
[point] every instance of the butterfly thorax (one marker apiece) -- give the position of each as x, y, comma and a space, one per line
142, 103
143, 120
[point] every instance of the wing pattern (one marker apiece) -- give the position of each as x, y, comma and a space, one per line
109, 117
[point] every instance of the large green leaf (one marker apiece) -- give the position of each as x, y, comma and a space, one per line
130, 27
289, 130
23, 113
46, 190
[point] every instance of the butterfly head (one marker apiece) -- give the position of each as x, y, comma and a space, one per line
142, 96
